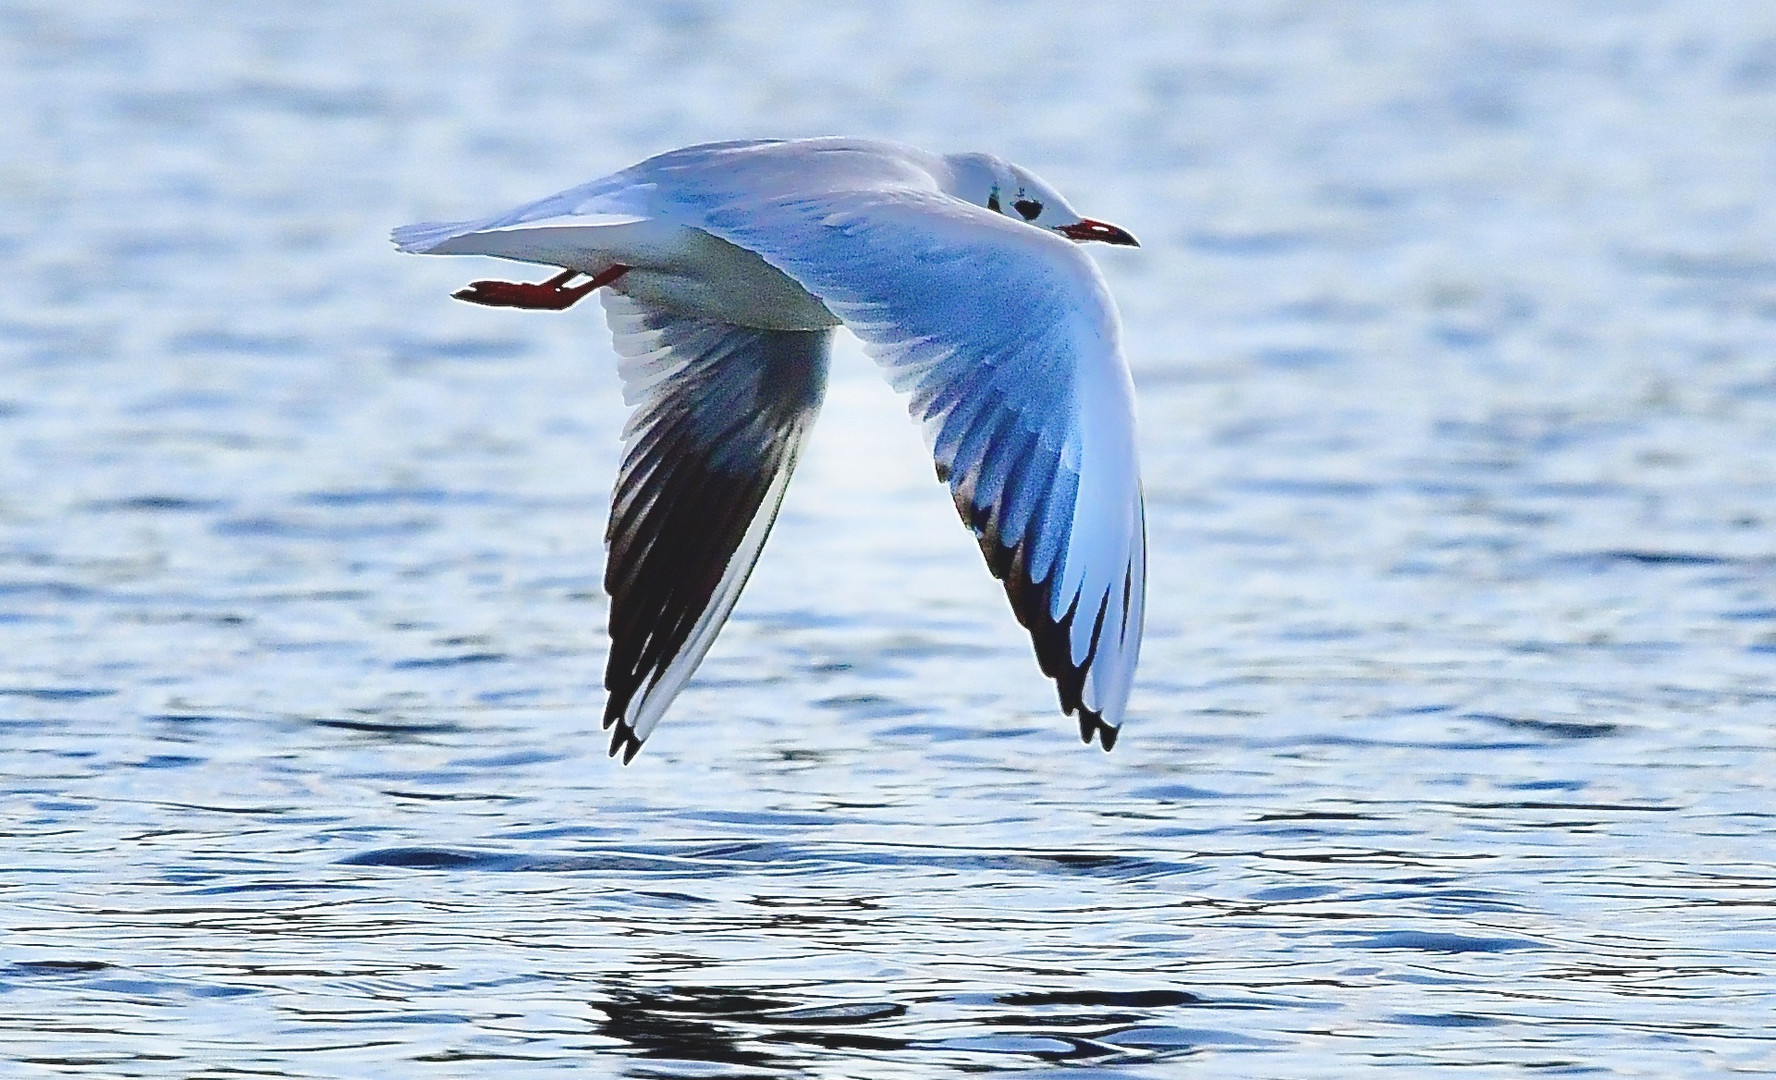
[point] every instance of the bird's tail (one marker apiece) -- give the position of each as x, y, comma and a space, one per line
421, 238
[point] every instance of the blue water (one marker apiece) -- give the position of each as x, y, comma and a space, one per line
1454, 330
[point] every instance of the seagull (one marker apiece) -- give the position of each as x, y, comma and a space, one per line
725, 269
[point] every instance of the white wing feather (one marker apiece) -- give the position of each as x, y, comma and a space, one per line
1007, 340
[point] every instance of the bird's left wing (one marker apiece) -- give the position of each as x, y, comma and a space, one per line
721, 414
1006, 339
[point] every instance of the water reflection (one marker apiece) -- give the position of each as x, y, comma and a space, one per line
779, 1030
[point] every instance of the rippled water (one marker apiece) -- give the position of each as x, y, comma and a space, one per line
1455, 335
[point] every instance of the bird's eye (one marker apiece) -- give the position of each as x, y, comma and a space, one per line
1027, 207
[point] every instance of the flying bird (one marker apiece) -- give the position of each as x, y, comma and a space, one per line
725, 269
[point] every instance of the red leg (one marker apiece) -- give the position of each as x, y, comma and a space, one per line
551, 295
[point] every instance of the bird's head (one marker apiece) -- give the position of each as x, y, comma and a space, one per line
1020, 194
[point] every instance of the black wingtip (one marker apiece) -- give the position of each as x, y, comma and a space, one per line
1032, 602
623, 738
1091, 724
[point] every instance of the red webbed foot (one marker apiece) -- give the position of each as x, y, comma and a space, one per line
551, 295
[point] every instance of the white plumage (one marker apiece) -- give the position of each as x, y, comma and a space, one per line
731, 264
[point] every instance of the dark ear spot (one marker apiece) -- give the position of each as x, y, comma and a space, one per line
993, 200
1027, 207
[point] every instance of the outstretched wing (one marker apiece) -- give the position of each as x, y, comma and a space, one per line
721, 414
1007, 341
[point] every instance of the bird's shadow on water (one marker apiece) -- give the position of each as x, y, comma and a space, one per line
779, 1029
694, 1023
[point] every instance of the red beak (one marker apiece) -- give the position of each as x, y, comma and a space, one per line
1087, 229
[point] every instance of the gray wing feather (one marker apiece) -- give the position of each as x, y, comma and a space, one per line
721, 414
1006, 341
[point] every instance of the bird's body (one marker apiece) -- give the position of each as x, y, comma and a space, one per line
672, 267
725, 270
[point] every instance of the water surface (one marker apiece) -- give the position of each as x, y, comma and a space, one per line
1453, 329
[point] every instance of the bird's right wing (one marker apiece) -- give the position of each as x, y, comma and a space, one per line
1006, 340
721, 414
